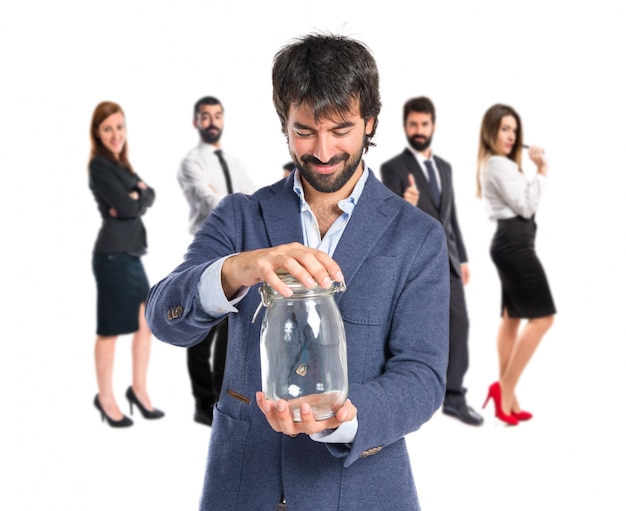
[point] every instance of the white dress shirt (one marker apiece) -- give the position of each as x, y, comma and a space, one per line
201, 177
507, 192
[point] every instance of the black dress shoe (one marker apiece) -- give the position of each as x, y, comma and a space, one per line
204, 416
463, 412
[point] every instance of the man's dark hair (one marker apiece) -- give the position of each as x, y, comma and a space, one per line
206, 100
326, 73
422, 105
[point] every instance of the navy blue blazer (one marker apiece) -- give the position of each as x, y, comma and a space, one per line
396, 315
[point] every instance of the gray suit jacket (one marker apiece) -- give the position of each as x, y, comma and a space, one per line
395, 310
394, 174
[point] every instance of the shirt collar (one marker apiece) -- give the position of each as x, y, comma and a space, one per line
421, 159
346, 205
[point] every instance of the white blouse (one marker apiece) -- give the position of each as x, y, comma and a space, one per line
507, 192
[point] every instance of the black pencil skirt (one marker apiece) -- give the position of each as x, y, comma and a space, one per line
525, 289
122, 285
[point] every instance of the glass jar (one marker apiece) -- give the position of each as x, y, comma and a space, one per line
303, 348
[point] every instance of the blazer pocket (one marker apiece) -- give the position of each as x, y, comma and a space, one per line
227, 448
369, 294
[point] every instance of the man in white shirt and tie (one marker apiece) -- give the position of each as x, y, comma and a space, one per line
425, 180
206, 175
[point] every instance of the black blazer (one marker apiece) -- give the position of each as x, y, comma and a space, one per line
394, 174
111, 185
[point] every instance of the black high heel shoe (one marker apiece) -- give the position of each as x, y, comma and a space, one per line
124, 422
147, 414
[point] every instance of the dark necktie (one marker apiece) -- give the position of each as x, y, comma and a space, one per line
229, 185
432, 180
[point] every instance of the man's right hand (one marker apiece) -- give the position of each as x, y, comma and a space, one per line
308, 265
412, 194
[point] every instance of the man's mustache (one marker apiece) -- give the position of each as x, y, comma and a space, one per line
333, 161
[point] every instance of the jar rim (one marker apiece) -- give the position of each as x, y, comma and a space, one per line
299, 288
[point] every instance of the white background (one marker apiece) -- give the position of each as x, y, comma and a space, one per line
560, 64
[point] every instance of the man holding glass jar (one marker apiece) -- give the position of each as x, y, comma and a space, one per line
330, 220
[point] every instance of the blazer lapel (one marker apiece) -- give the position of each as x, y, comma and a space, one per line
281, 214
370, 216
420, 178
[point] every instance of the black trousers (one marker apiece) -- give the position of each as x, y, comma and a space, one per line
458, 358
206, 372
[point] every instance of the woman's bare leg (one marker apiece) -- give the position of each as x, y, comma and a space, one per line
522, 351
105, 357
142, 340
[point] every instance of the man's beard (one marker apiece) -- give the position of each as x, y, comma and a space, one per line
328, 183
211, 134
419, 143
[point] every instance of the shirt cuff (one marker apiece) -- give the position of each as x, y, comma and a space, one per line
344, 434
212, 298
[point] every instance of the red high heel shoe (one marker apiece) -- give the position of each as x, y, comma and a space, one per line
495, 393
522, 415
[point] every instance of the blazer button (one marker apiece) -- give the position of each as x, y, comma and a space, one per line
175, 313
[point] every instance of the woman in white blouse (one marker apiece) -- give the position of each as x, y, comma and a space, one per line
511, 199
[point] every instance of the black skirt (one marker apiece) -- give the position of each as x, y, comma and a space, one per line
122, 286
525, 289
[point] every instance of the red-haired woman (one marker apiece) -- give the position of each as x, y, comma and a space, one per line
122, 285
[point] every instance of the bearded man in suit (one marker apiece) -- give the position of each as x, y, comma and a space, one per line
425, 180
